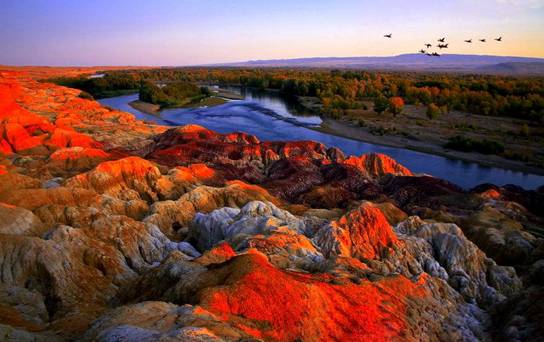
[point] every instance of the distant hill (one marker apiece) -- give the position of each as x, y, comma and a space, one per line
515, 68
416, 62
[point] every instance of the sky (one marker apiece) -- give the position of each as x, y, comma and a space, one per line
190, 32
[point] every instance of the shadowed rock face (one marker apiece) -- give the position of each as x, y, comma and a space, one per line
294, 171
113, 229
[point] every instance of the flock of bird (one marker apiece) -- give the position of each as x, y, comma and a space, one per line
442, 44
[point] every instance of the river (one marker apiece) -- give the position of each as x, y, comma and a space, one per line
269, 117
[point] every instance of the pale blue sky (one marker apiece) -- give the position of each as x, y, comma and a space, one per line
183, 32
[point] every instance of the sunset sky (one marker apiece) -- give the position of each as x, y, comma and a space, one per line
185, 32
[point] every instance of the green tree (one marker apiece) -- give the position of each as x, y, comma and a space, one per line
380, 104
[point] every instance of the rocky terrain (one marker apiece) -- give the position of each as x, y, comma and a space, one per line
113, 229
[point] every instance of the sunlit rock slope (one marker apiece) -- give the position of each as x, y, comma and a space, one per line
112, 229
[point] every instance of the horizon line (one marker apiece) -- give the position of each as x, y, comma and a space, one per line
255, 60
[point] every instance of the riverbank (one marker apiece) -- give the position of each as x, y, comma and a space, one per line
155, 110
414, 131
254, 117
349, 130
146, 107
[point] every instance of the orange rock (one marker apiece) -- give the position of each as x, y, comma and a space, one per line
18, 138
491, 194
197, 173
256, 190
362, 233
130, 177
5, 147
378, 165
218, 254
285, 306
75, 159
73, 153
70, 138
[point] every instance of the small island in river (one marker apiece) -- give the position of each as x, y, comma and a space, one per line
155, 97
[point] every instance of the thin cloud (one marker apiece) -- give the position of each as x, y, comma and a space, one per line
524, 3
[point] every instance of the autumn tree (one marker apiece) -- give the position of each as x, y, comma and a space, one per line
396, 105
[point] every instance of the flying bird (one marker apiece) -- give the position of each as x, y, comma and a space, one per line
442, 40
499, 39
428, 45
436, 54
442, 46
422, 51
390, 35
468, 41
482, 40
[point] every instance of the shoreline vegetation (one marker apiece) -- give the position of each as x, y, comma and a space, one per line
421, 112
346, 128
217, 96
351, 131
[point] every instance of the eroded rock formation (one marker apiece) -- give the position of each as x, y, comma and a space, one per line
114, 229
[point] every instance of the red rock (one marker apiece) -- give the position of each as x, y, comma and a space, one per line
288, 169
18, 138
5, 147
197, 173
102, 240
362, 233
378, 165
285, 306
491, 194
74, 153
76, 159
218, 254
130, 177
70, 138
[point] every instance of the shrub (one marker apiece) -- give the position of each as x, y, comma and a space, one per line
85, 95
380, 104
464, 144
433, 111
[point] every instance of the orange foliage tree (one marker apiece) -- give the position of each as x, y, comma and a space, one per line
396, 105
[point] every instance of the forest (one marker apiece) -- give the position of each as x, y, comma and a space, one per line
173, 94
341, 90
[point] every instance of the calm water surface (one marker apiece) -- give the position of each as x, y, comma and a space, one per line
269, 117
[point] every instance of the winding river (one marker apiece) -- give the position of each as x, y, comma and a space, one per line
269, 117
